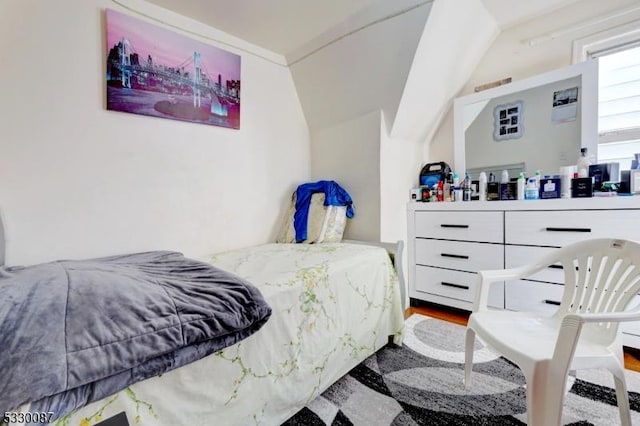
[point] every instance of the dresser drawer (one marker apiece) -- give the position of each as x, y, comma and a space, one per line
559, 228
465, 256
455, 284
462, 226
515, 256
531, 296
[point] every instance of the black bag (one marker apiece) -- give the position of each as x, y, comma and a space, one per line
433, 173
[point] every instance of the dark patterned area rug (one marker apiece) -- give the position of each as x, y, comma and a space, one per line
420, 383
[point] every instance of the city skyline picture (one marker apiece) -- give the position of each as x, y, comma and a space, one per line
157, 72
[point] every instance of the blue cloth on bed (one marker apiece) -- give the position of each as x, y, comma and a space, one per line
72, 332
334, 195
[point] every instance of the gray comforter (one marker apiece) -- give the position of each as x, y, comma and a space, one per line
72, 332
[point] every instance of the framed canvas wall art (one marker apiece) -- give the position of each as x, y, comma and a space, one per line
156, 72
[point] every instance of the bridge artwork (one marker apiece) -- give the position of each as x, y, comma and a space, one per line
156, 72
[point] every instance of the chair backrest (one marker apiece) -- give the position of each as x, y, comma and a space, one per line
601, 275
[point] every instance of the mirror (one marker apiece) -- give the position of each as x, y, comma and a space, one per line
539, 123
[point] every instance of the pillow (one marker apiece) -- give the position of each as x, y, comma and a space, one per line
325, 224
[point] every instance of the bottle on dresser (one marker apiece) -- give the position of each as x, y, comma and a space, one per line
505, 177
582, 185
448, 187
482, 186
456, 188
531, 191
521, 185
466, 190
583, 164
538, 177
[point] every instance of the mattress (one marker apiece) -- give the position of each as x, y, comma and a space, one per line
332, 304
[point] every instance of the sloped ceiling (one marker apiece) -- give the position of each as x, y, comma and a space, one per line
452, 44
283, 26
276, 25
362, 72
350, 57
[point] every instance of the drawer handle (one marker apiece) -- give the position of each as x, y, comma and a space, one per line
455, 256
446, 284
551, 229
552, 302
448, 225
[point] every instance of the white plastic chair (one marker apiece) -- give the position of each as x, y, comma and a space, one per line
601, 278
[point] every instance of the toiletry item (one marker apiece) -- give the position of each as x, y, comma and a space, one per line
582, 187
466, 188
492, 177
520, 190
448, 189
508, 191
493, 191
505, 177
566, 174
434, 193
416, 194
475, 196
629, 181
604, 172
538, 176
550, 187
583, 164
456, 180
426, 195
482, 187
440, 195
531, 192
457, 194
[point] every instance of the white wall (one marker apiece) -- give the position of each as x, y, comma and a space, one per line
400, 167
78, 181
349, 154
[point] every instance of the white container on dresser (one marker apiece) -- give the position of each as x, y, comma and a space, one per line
449, 242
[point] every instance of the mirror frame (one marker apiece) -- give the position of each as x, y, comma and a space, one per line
588, 71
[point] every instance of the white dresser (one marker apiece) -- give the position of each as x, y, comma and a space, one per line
449, 242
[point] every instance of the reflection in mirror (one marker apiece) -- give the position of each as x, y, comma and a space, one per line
535, 124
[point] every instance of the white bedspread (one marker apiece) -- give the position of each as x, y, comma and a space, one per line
333, 305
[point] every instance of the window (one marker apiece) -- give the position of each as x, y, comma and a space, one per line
618, 51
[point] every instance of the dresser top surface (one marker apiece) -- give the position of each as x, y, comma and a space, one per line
595, 203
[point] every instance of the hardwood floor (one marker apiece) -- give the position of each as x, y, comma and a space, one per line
631, 355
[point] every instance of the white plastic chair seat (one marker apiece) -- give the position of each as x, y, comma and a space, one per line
526, 335
601, 278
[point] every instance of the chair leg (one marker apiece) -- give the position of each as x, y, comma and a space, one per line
622, 396
544, 399
470, 341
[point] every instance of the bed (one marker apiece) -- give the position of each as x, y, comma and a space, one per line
332, 306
